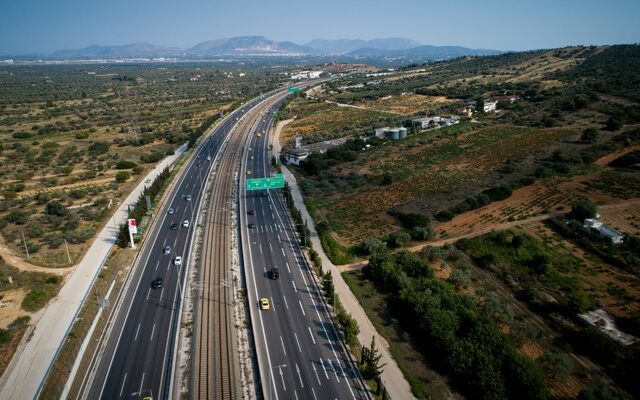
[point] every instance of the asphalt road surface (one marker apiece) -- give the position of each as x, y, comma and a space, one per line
136, 355
299, 353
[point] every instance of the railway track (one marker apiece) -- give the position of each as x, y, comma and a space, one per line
215, 373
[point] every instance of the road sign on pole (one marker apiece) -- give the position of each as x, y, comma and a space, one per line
273, 182
293, 90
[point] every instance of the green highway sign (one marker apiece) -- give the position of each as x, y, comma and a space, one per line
293, 90
273, 182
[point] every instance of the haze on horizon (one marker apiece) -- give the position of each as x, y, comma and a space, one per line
41, 26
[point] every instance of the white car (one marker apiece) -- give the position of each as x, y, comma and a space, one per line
185, 224
177, 261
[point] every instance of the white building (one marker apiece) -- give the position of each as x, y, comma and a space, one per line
615, 236
604, 322
489, 105
306, 75
294, 156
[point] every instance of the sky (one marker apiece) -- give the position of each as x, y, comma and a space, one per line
43, 26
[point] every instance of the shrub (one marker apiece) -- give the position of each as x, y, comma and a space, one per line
98, 148
122, 176
398, 239
22, 135
582, 209
444, 215
414, 220
125, 164
56, 208
36, 299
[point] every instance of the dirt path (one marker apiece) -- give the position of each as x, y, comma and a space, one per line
20, 263
604, 161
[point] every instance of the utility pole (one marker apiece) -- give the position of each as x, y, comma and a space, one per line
67, 247
26, 249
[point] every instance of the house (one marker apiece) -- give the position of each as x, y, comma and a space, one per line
294, 156
427, 122
489, 105
604, 322
605, 232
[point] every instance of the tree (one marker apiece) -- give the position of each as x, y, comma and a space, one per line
582, 209
398, 239
374, 245
348, 325
55, 208
589, 135
122, 176
370, 361
614, 123
327, 286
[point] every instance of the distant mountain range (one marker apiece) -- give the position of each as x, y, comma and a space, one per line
386, 48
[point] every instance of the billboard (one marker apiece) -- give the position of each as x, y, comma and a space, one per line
133, 226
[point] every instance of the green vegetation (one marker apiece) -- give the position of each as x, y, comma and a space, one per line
449, 327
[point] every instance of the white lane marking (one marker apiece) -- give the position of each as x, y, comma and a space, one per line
314, 394
273, 305
324, 369
288, 269
161, 293
141, 382
296, 394
271, 227
153, 330
279, 240
299, 376
174, 242
148, 293
315, 371
123, 381
294, 286
260, 248
318, 314
157, 264
282, 378
283, 349
270, 248
285, 302
273, 216
283, 255
311, 334
137, 330
298, 342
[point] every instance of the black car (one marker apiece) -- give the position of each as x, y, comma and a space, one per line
251, 212
274, 273
156, 283
252, 225
173, 226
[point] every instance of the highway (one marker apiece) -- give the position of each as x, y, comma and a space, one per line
299, 353
136, 353
215, 356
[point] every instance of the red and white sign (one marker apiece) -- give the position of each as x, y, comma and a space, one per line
133, 226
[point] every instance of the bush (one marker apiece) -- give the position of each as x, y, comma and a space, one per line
589, 135
398, 239
151, 157
582, 209
5, 336
414, 220
444, 215
125, 164
36, 299
56, 208
122, 176
98, 148
22, 135
17, 217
